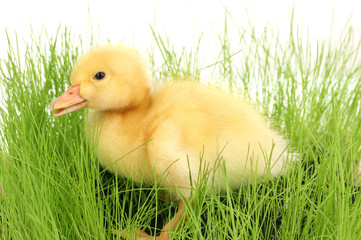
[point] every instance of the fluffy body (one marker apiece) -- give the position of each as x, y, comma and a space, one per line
148, 134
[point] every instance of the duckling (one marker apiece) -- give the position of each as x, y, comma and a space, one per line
170, 132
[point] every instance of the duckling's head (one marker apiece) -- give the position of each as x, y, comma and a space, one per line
110, 77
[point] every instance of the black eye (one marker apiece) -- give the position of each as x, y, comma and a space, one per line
99, 75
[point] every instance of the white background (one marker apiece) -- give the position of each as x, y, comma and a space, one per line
183, 21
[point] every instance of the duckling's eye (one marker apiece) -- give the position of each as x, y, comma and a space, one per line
99, 75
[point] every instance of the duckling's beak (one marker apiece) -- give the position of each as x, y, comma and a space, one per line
68, 102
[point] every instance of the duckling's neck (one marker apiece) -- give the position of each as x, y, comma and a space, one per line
137, 109
129, 117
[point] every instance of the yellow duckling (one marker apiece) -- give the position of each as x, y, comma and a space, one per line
145, 134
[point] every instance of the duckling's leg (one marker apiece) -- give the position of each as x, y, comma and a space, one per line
171, 226
174, 223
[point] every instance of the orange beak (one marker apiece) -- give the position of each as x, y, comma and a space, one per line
68, 102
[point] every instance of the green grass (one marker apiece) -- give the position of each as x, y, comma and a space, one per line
55, 189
